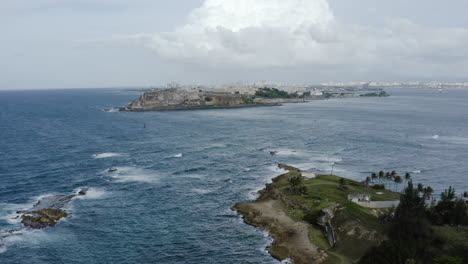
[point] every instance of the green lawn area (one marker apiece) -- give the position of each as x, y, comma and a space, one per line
324, 190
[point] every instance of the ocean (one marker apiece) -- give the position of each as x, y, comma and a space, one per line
169, 201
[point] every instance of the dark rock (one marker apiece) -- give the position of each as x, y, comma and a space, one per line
83, 191
43, 218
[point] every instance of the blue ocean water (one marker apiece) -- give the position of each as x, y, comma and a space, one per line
177, 178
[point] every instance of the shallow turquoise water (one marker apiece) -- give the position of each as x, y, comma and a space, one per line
169, 202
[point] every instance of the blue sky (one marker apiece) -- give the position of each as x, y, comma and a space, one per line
109, 43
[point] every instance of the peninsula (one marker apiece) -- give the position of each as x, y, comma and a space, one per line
187, 98
332, 220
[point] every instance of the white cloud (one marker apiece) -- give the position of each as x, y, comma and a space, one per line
301, 33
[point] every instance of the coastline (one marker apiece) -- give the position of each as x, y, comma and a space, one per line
204, 107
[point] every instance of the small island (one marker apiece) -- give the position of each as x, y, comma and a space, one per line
329, 219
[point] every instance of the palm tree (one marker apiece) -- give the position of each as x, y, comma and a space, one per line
398, 180
381, 176
373, 177
427, 192
420, 188
407, 177
368, 179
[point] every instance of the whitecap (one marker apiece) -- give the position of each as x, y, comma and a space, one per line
21, 236
201, 191
111, 110
416, 171
134, 174
289, 152
92, 194
180, 155
435, 137
106, 155
8, 212
193, 176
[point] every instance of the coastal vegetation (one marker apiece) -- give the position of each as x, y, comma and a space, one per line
340, 230
375, 94
275, 93
423, 234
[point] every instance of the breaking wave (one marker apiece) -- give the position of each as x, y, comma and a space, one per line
134, 174
106, 155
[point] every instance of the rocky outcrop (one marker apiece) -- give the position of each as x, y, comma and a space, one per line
48, 211
325, 221
181, 100
43, 218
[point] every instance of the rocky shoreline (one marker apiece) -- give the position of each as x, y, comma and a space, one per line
290, 238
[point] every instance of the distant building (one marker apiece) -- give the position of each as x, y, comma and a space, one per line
359, 197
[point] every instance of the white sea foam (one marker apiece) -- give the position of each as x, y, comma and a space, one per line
449, 139
269, 240
106, 155
180, 155
92, 194
21, 236
289, 152
8, 212
112, 110
202, 191
416, 171
134, 174
193, 176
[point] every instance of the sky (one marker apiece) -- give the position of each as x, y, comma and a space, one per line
142, 43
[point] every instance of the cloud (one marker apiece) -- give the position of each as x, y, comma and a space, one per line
305, 33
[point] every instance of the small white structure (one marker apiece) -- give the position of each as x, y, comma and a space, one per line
359, 197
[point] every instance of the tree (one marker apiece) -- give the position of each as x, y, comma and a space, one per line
459, 213
398, 179
296, 185
381, 175
410, 235
407, 177
342, 182
427, 192
448, 194
420, 187
368, 180
373, 177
